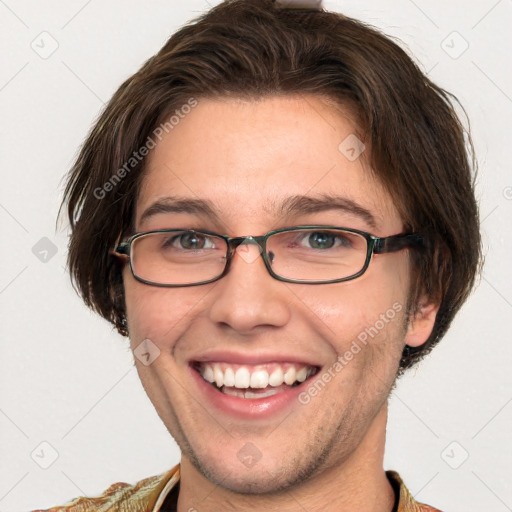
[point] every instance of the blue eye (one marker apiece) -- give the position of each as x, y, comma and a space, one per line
187, 240
322, 240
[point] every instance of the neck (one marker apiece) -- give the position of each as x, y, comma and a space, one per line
357, 482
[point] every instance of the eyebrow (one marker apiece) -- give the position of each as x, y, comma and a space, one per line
297, 205
180, 205
291, 206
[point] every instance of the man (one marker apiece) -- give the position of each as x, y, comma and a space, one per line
278, 210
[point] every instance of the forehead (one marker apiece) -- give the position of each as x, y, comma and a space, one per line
250, 159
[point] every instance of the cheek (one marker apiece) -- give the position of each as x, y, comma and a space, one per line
160, 314
349, 309
369, 309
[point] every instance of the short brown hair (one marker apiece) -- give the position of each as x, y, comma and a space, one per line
255, 48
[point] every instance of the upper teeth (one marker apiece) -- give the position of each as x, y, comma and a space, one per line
259, 376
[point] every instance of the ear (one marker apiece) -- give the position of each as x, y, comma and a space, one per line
421, 322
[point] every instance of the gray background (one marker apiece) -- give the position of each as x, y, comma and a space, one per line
73, 415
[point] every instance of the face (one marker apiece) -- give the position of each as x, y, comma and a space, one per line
245, 160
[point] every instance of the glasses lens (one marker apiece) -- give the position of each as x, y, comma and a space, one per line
317, 254
178, 257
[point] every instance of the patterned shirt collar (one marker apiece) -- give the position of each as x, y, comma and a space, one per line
406, 501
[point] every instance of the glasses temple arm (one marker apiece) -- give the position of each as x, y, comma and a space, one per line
397, 243
121, 248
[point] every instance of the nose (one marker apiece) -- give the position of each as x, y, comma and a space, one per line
247, 297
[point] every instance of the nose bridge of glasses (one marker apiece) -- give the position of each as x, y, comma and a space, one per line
237, 241
242, 246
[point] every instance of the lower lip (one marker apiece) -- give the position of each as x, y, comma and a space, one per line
248, 408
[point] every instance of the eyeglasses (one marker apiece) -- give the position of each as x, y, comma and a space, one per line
301, 254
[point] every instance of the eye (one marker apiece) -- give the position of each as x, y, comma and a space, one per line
325, 240
188, 240
321, 240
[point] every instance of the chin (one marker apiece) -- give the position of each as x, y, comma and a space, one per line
254, 477
256, 480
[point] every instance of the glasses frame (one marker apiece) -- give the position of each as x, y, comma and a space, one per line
375, 245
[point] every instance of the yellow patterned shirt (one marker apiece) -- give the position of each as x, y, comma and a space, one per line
160, 494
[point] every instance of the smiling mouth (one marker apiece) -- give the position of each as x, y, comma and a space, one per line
254, 381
